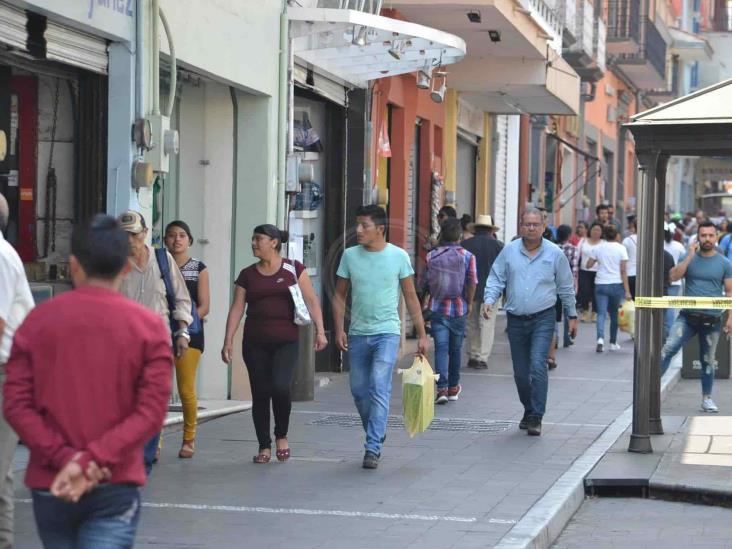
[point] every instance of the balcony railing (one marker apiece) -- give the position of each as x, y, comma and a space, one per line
568, 10
654, 47
651, 53
547, 16
623, 25
368, 6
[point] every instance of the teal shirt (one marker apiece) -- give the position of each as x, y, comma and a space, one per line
375, 288
705, 277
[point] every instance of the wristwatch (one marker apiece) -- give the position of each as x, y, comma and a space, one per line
572, 317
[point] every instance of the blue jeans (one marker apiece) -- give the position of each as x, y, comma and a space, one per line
372, 361
106, 518
448, 333
608, 298
530, 340
681, 332
670, 314
151, 448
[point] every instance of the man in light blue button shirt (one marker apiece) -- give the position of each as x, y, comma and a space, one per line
533, 271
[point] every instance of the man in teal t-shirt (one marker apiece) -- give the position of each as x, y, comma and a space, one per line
376, 273
707, 274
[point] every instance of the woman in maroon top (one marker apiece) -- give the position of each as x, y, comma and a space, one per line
270, 346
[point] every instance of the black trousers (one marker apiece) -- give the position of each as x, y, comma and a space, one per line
631, 283
271, 367
586, 294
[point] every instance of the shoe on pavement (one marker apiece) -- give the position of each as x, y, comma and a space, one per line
524, 423
534, 428
453, 392
614, 347
708, 405
600, 345
472, 363
481, 365
441, 397
370, 460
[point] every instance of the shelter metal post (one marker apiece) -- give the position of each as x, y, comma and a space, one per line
657, 315
640, 440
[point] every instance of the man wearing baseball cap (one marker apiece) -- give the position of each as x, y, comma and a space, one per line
144, 284
485, 247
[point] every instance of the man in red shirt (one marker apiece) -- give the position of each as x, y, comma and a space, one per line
87, 384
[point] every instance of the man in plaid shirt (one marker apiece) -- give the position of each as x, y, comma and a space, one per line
450, 278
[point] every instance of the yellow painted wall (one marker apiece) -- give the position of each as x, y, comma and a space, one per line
483, 172
449, 149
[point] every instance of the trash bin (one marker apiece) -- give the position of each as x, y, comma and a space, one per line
691, 366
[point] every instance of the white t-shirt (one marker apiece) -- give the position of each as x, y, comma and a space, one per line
676, 249
631, 244
16, 299
585, 249
609, 256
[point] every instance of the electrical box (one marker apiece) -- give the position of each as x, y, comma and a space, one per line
165, 143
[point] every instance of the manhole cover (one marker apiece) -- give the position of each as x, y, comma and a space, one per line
438, 424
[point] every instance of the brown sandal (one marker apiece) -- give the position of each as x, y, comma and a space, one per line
187, 450
261, 457
284, 453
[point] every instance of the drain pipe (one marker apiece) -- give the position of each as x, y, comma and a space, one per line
155, 57
283, 122
173, 63
140, 46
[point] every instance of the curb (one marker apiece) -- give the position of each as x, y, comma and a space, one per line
547, 518
209, 415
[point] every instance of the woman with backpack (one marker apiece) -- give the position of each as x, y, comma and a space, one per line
270, 345
450, 279
178, 240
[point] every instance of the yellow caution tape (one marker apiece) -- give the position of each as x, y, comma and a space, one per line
669, 302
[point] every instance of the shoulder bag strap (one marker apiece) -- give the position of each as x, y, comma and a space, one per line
290, 268
161, 255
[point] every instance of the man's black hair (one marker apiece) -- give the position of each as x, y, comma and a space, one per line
601, 207
101, 247
563, 233
706, 223
632, 220
448, 211
610, 232
376, 213
450, 230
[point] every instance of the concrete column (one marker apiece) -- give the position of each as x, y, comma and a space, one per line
524, 162
449, 147
640, 440
485, 161
121, 116
655, 425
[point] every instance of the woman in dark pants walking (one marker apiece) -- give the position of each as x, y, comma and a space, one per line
270, 346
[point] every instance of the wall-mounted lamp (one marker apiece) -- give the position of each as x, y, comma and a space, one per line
359, 38
424, 76
438, 93
397, 48
474, 16
494, 35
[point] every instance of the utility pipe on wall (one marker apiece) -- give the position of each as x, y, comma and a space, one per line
155, 57
140, 47
173, 65
283, 121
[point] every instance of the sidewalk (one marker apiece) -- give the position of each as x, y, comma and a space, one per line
464, 483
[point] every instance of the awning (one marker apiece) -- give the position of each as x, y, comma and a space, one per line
689, 46
324, 38
12, 26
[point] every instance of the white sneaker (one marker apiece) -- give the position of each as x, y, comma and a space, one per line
600, 345
708, 405
614, 347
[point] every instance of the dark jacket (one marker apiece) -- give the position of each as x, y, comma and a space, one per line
485, 247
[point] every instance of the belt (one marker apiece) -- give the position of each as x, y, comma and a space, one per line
532, 316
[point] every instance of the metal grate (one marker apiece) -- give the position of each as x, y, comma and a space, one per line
438, 424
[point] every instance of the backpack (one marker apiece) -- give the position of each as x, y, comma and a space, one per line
446, 273
161, 255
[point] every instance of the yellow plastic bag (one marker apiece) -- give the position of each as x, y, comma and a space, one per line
418, 395
626, 317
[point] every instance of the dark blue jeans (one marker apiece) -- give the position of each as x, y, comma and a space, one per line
151, 448
530, 340
448, 333
106, 518
609, 297
682, 330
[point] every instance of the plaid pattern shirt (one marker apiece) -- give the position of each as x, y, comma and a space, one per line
573, 256
458, 306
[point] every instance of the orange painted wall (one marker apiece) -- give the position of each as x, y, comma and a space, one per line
408, 103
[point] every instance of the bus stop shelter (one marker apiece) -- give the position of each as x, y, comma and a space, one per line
698, 124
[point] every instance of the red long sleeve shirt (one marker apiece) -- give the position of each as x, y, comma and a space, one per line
89, 371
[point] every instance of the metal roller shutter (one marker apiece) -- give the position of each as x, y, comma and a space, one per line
501, 172
75, 48
322, 85
12, 26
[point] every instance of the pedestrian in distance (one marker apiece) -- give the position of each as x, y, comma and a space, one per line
375, 272
676, 250
706, 273
533, 272
587, 274
613, 221
611, 285
270, 345
572, 254
16, 301
631, 245
145, 283
580, 232
178, 240
88, 382
466, 223
602, 213
480, 331
450, 278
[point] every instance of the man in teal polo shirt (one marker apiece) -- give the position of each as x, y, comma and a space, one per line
376, 273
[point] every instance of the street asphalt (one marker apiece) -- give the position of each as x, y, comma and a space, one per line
464, 483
